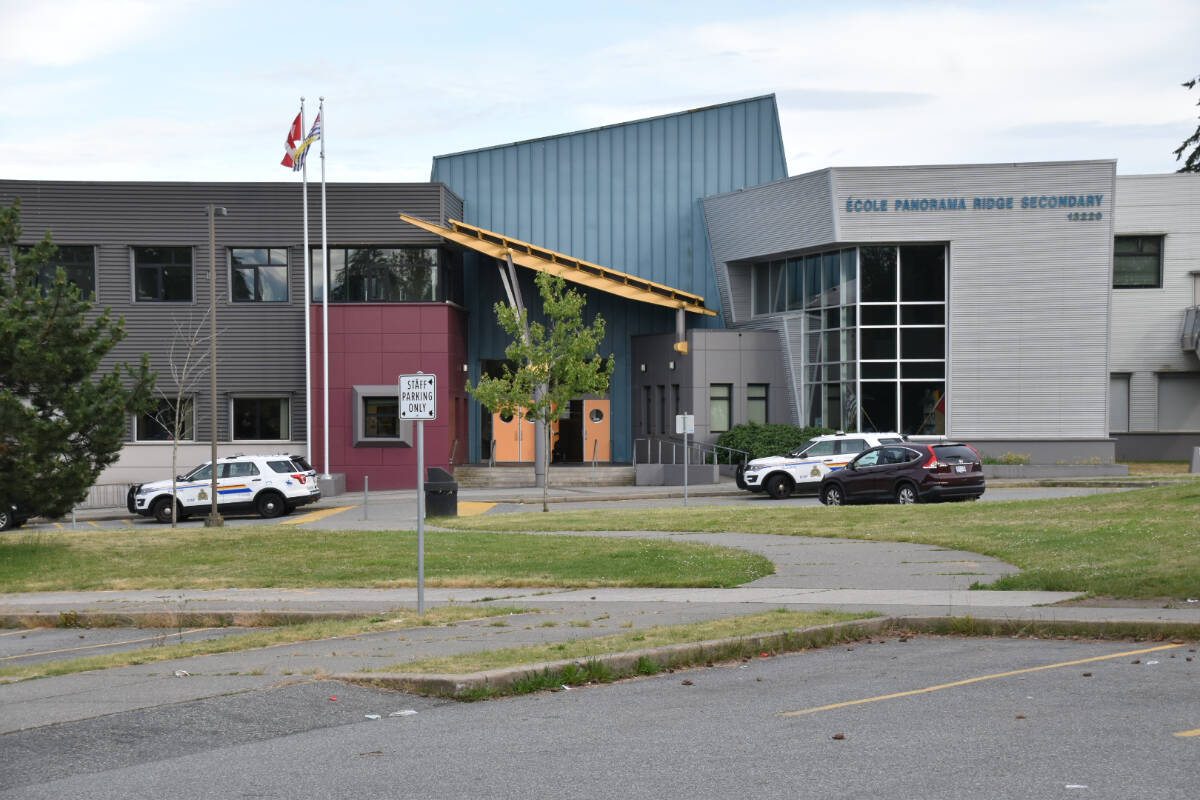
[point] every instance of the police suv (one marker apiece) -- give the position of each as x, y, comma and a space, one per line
804, 467
270, 485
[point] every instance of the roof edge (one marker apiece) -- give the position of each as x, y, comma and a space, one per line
610, 126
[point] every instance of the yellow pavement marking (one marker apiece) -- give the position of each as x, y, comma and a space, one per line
127, 522
469, 509
1184, 734
94, 525
58, 525
106, 644
313, 516
26, 630
976, 680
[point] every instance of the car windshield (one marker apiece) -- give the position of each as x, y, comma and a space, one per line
200, 473
800, 450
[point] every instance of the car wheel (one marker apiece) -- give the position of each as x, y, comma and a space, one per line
906, 494
832, 496
6, 520
270, 505
739, 476
779, 486
163, 510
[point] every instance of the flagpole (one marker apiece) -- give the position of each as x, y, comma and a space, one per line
325, 303
308, 431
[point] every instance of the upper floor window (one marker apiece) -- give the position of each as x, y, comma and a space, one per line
376, 274
258, 274
162, 274
78, 262
1137, 262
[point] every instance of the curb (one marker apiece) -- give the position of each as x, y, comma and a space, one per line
629, 664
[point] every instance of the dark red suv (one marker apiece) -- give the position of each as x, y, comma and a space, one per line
907, 473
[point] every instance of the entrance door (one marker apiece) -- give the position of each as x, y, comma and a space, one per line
597, 431
514, 438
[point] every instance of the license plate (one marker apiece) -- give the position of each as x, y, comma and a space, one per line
960, 468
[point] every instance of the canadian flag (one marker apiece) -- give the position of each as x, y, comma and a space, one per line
293, 135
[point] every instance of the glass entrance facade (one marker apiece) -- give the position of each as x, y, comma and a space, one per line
874, 322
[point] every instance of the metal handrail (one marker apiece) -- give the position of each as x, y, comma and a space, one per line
704, 448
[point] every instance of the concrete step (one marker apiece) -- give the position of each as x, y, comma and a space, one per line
521, 475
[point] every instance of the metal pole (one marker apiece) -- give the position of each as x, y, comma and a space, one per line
420, 517
214, 519
685, 465
366, 493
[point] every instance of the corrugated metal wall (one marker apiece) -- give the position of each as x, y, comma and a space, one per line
261, 345
1028, 291
625, 196
1146, 323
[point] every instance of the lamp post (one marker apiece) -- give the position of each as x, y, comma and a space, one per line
214, 519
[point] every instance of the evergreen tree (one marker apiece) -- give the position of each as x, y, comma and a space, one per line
1191, 162
61, 421
555, 362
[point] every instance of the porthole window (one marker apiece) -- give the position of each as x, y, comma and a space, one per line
596, 415
506, 417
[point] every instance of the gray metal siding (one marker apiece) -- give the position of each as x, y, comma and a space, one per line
780, 217
260, 345
1146, 323
1028, 289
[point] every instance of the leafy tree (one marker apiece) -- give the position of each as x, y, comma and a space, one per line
61, 422
1192, 161
554, 362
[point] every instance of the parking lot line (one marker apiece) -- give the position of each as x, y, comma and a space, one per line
11, 633
941, 686
466, 508
313, 516
105, 644
1186, 734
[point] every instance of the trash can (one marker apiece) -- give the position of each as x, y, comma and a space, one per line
441, 494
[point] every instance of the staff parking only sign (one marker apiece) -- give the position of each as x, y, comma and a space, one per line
418, 396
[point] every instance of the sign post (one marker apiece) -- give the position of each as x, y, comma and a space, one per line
685, 424
418, 401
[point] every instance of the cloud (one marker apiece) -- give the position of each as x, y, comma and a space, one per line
61, 33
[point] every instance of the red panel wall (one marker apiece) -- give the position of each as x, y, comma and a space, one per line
373, 344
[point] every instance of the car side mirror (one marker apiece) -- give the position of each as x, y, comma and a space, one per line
179, 478
852, 467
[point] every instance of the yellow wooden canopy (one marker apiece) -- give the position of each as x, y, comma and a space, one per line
572, 269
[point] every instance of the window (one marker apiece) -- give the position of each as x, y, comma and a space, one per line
374, 274
261, 418
159, 424
1137, 262
239, 469
258, 274
381, 417
719, 395
162, 274
78, 263
825, 448
756, 403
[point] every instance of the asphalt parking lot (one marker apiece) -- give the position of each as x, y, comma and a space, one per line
899, 717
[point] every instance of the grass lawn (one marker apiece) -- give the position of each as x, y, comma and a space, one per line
280, 556
1143, 543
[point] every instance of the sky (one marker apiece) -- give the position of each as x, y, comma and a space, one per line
193, 91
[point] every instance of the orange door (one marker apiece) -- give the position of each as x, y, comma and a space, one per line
597, 431
514, 438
